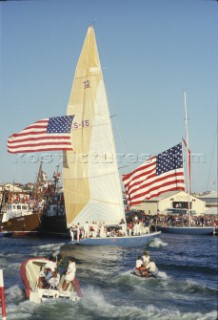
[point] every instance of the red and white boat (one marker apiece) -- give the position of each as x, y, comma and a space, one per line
30, 271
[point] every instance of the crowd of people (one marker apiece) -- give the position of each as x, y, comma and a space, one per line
58, 273
145, 266
95, 229
187, 220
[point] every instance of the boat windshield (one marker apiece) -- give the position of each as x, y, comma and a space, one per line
15, 207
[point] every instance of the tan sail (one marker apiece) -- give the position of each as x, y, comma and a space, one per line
92, 188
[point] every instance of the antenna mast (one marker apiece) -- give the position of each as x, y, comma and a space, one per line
187, 146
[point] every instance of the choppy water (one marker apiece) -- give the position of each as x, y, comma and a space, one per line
187, 288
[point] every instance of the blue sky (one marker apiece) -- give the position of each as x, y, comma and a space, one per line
150, 51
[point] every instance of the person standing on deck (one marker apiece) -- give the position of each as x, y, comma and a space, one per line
70, 273
86, 230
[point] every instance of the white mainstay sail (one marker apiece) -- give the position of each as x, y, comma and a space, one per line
92, 188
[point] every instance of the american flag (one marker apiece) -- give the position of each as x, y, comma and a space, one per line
44, 135
157, 175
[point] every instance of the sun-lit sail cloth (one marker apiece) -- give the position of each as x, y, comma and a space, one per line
92, 187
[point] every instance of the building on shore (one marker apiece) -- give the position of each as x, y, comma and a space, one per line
172, 202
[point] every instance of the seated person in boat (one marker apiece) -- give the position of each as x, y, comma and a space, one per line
70, 273
152, 268
53, 280
112, 232
49, 277
140, 267
42, 283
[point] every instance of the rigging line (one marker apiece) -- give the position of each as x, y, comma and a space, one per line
122, 143
104, 201
95, 176
212, 156
211, 160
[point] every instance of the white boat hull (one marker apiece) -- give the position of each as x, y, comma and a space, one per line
41, 295
187, 230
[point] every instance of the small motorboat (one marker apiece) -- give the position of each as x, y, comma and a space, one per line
31, 271
138, 274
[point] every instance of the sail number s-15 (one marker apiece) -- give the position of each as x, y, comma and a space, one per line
82, 124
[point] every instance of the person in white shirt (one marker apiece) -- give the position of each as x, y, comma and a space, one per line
86, 230
139, 263
146, 258
123, 228
70, 274
49, 277
152, 268
102, 230
78, 232
136, 228
140, 267
54, 280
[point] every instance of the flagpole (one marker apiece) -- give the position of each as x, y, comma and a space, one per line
188, 156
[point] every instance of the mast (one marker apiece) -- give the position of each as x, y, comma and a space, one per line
188, 157
187, 145
3, 199
39, 178
56, 178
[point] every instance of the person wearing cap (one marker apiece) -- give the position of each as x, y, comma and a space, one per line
62, 261
146, 258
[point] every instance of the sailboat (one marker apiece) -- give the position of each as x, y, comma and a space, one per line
92, 187
188, 229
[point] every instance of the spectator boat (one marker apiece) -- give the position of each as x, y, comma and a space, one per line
30, 272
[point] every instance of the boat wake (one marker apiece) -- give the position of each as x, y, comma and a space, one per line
96, 302
48, 248
157, 243
14, 294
